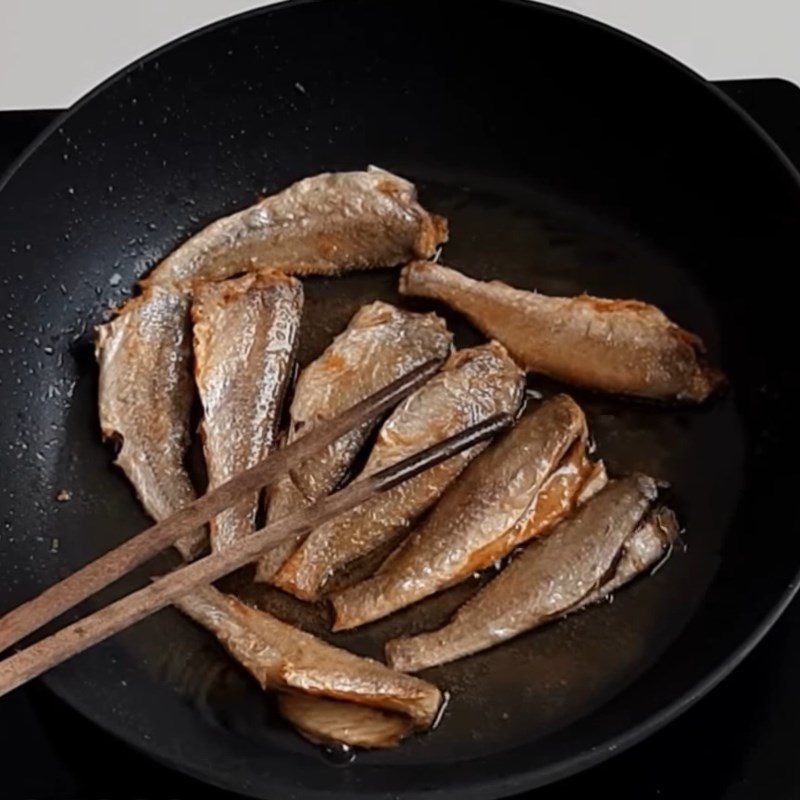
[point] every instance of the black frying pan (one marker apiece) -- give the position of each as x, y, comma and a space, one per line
567, 157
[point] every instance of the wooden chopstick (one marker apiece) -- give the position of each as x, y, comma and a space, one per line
36, 659
111, 566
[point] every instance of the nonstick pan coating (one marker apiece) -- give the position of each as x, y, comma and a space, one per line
568, 158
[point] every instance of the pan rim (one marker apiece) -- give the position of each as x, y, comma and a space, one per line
522, 781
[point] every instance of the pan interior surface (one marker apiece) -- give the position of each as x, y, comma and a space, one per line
567, 159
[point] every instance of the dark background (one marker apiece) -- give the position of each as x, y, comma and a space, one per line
737, 743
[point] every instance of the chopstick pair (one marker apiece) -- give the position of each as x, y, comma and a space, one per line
76, 637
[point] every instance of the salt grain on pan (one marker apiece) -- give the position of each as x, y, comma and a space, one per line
63, 495
115, 279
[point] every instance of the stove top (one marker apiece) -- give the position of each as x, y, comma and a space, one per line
735, 744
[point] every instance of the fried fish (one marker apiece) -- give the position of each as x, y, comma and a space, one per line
613, 537
245, 333
472, 386
515, 490
380, 344
145, 399
324, 721
622, 346
375, 706
324, 224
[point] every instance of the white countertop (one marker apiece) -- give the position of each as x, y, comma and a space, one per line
53, 51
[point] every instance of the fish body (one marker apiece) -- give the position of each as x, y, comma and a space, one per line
145, 398
609, 540
474, 384
621, 346
380, 344
324, 721
516, 489
245, 333
645, 548
285, 659
324, 224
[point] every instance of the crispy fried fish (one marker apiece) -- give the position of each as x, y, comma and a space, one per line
245, 333
325, 721
145, 399
621, 346
608, 541
472, 386
283, 658
323, 224
380, 344
516, 489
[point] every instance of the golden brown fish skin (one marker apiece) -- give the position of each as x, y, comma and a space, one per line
245, 337
575, 479
473, 385
325, 224
380, 344
516, 489
563, 489
283, 658
324, 721
621, 346
552, 575
145, 398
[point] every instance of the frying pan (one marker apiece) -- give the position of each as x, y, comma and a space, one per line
568, 157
